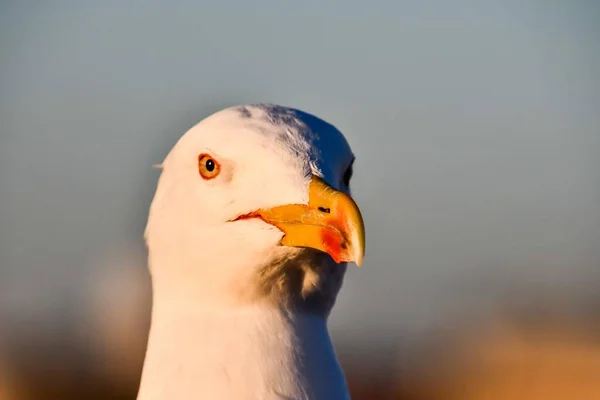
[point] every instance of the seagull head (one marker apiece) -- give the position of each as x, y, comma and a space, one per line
254, 203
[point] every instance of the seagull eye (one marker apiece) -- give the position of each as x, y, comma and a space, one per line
208, 167
348, 176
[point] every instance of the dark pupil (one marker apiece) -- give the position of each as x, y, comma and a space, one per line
348, 176
210, 165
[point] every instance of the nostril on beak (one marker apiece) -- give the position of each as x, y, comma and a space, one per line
325, 210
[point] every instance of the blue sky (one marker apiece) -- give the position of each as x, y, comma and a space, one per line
475, 125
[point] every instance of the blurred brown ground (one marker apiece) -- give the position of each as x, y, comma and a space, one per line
544, 348
545, 360
548, 359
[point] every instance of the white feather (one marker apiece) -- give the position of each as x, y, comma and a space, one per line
211, 336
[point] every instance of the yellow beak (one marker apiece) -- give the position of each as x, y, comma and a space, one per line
331, 222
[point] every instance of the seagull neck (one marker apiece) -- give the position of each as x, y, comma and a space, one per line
249, 352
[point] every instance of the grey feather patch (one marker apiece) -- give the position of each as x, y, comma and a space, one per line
308, 282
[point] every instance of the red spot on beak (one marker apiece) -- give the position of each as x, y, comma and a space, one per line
332, 242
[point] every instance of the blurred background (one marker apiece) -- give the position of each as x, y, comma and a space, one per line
476, 126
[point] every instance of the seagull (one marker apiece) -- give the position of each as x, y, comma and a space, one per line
248, 235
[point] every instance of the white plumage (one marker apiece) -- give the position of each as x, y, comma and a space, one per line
241, 253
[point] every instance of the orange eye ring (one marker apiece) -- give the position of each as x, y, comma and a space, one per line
208, 167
